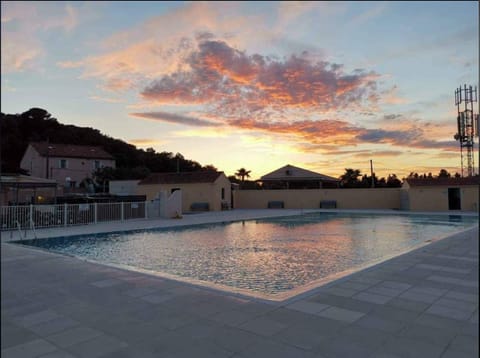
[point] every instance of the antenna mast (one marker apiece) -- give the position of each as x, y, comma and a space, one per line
466, 122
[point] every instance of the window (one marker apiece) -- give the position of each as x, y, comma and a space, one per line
288, 172
223, 193
63, 164
97, 164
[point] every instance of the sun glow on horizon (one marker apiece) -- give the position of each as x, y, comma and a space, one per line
248, 84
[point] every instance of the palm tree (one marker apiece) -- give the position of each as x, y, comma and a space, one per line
242, 173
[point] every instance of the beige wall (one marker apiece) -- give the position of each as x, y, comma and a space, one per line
193, 193
77, 168
222, 182
310, 199
33, 163
436, 198
123, 187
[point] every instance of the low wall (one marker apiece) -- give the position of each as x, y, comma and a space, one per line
436, 199
123, 187
388, 198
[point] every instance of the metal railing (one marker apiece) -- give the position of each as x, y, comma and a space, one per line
45, 216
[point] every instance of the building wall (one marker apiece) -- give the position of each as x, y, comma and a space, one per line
34, 163
123, 187
77, 168
222, 182
310, 199
435, 198
192, 193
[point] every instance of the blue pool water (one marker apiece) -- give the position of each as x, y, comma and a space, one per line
267, 256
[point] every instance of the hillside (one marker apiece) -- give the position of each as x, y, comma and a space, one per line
36, 124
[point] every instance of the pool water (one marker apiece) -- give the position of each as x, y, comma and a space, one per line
267, 256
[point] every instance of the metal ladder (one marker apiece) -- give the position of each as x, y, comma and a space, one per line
19, 227
32, 227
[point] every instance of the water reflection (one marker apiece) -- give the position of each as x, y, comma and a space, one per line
268, 256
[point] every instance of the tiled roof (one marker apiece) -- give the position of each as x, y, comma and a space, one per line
290, 172
444, 181
181, 178
70, 150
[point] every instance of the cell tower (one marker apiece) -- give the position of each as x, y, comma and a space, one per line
466, 122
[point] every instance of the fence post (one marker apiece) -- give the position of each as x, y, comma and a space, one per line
65, 214
146, 207
122, 215
31, 216
95, 211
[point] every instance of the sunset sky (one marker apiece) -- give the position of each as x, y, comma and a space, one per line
320, 85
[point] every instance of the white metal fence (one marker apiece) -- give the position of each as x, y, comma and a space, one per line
44, 216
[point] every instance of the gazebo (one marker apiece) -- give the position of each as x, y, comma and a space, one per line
291, 177
17, 188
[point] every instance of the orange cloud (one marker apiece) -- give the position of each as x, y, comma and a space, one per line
118, 84
143, 142
106, 99
313, 135
239, 84
315, 132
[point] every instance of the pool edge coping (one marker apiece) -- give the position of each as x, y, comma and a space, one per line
282, 299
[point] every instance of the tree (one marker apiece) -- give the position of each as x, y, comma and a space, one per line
210, 167
366, 181
103, 175
233, 179
350, 177
38, 114
37, 125
242, 173
381, 183
444, 174
393, 181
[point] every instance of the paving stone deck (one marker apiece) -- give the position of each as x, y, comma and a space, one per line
420, 304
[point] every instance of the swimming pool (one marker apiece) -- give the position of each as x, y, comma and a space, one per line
266, 257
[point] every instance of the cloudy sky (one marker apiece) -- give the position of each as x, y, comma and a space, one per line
320, 85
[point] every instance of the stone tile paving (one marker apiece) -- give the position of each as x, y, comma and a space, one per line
421, 304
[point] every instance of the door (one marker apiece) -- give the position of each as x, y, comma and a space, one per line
454, 200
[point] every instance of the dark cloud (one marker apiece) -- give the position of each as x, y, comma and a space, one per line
398, 137
447, 145
391, 117
175, 118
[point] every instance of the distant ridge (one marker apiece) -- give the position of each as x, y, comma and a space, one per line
37, 125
